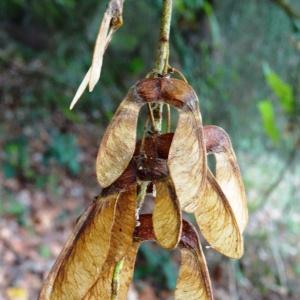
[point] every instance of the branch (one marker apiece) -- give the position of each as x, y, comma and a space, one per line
288, 9
162, 57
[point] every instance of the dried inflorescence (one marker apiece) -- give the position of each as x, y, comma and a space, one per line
98, 260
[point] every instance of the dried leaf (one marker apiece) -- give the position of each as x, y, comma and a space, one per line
166, 215
217, 221
81, 260
193, 280
121, 241
99, 49
110, 23
81, 88
227, 172
118, 143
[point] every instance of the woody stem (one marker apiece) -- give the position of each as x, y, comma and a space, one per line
162, 57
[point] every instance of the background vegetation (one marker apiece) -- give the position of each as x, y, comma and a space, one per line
242, 58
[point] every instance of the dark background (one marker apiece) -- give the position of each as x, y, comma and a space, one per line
243, 60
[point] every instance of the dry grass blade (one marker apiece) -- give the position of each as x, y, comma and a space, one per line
227, 172
187, 160
118, 143
166, 215
80, 262
217, 221
121, 241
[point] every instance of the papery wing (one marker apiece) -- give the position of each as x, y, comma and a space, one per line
227, 172
122, 251
118, 143
187, 160
193, 282
81, 259
166, 215
217, 221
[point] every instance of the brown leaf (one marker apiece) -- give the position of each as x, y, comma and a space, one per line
81, 259
118, 143
217, 221
193, 280
166, 215
121, 246
227, 172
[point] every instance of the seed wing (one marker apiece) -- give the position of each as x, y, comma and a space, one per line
122, 252
228, 173
217, 221
166, 215
118, 143
187, 160
81, 260
193, 281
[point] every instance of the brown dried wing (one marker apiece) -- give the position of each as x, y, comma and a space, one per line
121, 246
187, 159
166, 215
217, 221
81, 260
118, 143
193, 281
227, 172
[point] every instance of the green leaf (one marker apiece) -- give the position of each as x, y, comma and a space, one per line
281, 89
268, 118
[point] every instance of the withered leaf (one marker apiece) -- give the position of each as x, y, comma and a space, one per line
227, 172
118, 143
121, 245
166, 215
81, 260
111, 21
217, 221
193, 281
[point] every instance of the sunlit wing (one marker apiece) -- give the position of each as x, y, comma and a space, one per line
121, 247
193, 282
118, 143
227, 172
81, 260
166, 215
217, 221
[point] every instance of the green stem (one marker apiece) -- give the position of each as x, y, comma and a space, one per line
116, 279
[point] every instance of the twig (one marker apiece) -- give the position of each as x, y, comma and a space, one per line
162, 57
116, 279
